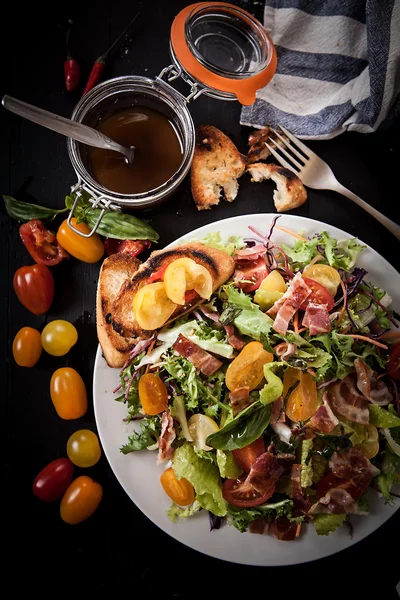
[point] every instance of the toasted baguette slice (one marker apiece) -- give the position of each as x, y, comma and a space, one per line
218, 263
290, 192
217, 164
257, 148
115, 270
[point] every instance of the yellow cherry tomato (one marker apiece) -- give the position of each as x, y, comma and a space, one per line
83, 448
185, 274
152, 307
81, 499
247, 369
303, 401
153, 394
68, 393
200, 427
179, 490
89, 250
325, 275
370, 447
27, 347
58, 337
273, 282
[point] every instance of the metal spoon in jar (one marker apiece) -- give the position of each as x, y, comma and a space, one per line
73, 129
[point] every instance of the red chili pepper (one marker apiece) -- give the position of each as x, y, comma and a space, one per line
72, 70
98, 67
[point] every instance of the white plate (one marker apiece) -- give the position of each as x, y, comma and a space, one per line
140, 476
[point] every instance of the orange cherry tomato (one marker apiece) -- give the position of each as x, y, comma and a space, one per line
88, 250
247, 369
81, 500
68, 393
34, 286
303, 401
27, 347
153, 394
179, 490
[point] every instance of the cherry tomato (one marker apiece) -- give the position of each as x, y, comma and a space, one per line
34, 287
153, 394
238, 493
83, 448
327, 276
370, 447
200, 427
152, 307
246, 456
53, 480
131, 247
179, 490
273, 282
89, 250
58, 337
27, 347
184, 274
252, 273
247, 369
303, 400
158, 275
393, 366
68, 393
41, 243
80, 500
319, 295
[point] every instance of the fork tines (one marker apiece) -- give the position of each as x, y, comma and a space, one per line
296, 165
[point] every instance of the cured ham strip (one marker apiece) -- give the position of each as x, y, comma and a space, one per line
323, 420
210, 314
202, 360
234, 338
345, 399
375, 390
278, 422
335, 502
240, 399
284, 530
285, 308
166, 438
295, 480
316, 318
284, 350
264, 473
250, 253
353, 466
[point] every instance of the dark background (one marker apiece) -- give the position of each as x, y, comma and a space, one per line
119, 549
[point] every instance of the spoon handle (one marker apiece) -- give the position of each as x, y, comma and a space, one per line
67, 127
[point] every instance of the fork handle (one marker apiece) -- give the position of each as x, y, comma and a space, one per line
385, 221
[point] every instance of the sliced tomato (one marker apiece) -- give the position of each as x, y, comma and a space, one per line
158, 275
319, 295
246, 456
191, 296
393, 366
249, 275
332, 481
239, 493
131, 247
41, 243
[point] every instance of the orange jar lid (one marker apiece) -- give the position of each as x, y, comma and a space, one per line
224, 48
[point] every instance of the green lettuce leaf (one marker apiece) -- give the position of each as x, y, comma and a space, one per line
178, 411
242, 517
274, 387
326, 524
302, 252
229, 245
306, 464
253, 323
150, 429
204, 477
382, 418
246, 427
228, 467
176, 511
238, 299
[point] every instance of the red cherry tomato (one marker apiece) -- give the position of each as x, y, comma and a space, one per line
158, 275
131, 247
41, 243
34, 287
252, 273
246, 456
393, 366
319, 295
53, 480
238, 493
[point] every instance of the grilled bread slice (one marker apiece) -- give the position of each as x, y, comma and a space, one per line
115, 270
219, 264
217, 164
290, 192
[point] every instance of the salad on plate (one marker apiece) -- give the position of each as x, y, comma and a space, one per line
274, 404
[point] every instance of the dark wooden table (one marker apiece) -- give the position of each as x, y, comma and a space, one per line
119, 548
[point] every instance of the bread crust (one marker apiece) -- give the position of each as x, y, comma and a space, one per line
290, 192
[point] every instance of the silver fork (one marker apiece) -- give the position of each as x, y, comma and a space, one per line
316, 173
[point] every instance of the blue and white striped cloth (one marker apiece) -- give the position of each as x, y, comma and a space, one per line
338, 67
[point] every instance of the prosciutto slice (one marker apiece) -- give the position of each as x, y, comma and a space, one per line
353, 466
375, 390
264, 473
202, 360
240, 399
316, 318
284, 530
250, 253
284, 350
323, 420
234, 338
336, 501
166, 438
285, 308
345, 399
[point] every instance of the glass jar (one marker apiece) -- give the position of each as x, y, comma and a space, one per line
219, 50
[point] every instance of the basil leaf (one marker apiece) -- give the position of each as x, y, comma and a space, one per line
24, 211
243, 429
120, 226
